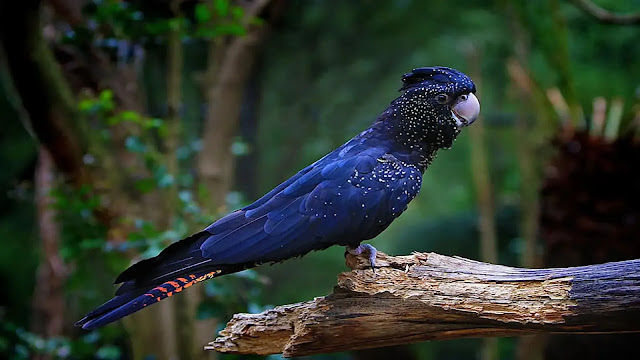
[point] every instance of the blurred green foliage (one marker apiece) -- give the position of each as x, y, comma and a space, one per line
19, 344
137, 21
328, 69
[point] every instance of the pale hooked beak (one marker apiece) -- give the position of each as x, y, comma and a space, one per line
466, 109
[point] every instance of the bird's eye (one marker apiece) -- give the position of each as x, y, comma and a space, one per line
464, 97
442, 98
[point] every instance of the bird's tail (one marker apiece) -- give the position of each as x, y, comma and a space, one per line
178, 267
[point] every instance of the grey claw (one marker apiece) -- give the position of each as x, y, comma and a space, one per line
368, 248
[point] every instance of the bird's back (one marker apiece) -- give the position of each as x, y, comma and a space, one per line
350, 195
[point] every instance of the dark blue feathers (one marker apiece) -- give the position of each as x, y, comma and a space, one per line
343, 198
350, 195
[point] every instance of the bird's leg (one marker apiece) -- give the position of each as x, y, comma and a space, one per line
365, 248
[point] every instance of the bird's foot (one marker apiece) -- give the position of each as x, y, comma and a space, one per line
362, 248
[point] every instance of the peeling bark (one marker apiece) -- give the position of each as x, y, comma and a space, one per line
426, 296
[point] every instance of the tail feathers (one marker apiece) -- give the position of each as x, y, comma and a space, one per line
175, 258
134, 299
177, 267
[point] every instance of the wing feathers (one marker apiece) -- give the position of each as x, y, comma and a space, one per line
337, 200
215, 246
281, 221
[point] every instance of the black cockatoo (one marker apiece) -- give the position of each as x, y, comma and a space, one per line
350, 195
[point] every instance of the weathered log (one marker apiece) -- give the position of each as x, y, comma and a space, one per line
427, 296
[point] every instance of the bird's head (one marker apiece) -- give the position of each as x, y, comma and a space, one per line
435, 104
440, 95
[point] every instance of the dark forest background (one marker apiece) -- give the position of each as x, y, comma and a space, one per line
127, 125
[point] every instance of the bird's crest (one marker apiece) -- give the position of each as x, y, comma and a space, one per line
438, 74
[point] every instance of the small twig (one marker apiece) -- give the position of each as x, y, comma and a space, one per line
606, 16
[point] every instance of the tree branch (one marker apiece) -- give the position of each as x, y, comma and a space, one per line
424, 297
606, 16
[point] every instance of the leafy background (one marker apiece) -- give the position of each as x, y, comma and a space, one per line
322, 72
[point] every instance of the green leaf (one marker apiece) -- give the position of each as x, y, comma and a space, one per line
157, 27
86, 105
135, 145
202, 13
186, 180
185, 196
154, 123
106, 95
165, 180
183, 152
145, 185
175, 23
91, 243
237, 12
113, 120
240, 147
130, 116
66, 253
106, 100
230, 29
205, 33
221, 7
108, 352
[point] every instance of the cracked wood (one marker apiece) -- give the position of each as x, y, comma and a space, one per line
427, 296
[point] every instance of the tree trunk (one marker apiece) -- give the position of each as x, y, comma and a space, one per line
230, 63
48, 299
226, 81
425, 297
49, 107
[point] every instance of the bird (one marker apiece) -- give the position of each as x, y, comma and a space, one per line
348, 196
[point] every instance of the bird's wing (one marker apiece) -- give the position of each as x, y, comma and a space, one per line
342, 200
349, 196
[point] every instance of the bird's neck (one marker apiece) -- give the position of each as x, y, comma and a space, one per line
415, 138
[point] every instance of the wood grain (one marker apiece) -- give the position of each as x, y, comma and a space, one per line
427, 296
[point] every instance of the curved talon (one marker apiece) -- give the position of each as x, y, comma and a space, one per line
365, 248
